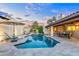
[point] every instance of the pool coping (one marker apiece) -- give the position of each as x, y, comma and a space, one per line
39, 47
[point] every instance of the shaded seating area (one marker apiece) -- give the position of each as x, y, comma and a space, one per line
65, 34
10, 28
66, 27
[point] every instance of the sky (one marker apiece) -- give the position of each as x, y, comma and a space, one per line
38, 11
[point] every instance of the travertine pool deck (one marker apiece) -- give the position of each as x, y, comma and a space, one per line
66, 47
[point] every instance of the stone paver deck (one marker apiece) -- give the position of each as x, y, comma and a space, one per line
66, 47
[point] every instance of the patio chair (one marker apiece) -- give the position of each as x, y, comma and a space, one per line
69, 34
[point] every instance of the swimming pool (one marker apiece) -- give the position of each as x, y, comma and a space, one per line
38, 41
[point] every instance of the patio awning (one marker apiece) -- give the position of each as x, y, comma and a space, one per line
11, 22
4, 18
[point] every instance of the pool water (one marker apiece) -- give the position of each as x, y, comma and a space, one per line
38, 41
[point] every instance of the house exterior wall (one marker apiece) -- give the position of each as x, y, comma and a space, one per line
70, 27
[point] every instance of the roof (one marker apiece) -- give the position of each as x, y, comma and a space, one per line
10, 22
4, 18
67, 18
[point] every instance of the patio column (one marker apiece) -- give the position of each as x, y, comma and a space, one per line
13, 31
51, 31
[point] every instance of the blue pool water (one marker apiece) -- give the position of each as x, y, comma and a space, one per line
38, 41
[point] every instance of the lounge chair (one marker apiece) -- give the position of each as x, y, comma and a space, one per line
13, 39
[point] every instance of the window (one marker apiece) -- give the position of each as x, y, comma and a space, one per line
49, 29
55, 29
77, 27
68, 28
73, 28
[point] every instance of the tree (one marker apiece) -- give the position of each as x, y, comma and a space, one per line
51, 20
54, 18
34, 26
60, 16
40, 29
